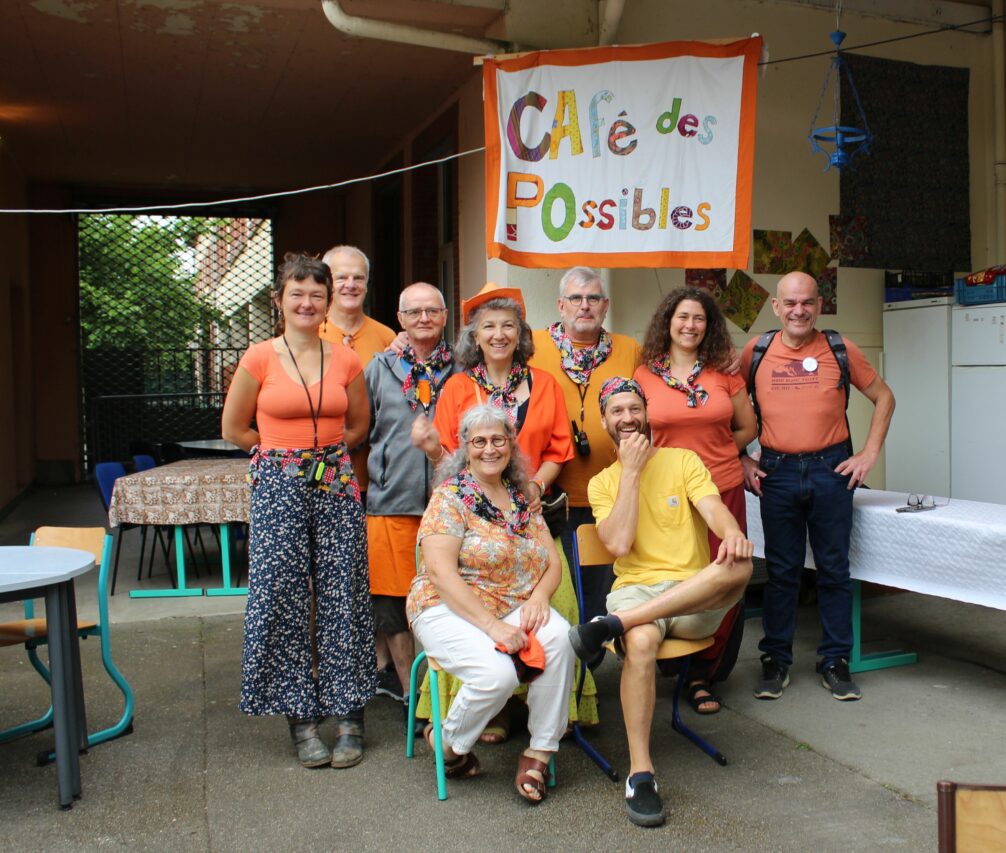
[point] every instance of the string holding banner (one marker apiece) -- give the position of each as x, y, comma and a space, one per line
635, 156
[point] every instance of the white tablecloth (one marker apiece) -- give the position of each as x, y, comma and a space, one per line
957, 551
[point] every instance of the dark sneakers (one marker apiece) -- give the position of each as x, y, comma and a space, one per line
835, 677
589, 638
642, 801
774, 679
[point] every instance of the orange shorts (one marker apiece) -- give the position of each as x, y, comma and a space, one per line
391, 552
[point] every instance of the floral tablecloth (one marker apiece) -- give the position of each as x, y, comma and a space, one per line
193, 491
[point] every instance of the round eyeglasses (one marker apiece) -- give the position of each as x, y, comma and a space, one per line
480, 441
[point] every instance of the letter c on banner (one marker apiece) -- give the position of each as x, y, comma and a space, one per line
559, 192
520, 150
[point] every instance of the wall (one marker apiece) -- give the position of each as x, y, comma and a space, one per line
16, 423
791, 191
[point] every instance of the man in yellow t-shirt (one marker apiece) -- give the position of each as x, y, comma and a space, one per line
652, 507
581, 355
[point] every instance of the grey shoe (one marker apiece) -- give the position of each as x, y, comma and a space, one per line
774, 679
311, 749
835, 676
348, 749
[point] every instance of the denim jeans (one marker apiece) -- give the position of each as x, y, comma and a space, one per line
802, 495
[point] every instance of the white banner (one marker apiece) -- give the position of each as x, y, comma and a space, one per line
622, 156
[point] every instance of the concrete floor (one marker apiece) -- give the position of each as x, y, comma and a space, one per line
805, 772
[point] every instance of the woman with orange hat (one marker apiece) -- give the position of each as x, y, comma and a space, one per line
492, 352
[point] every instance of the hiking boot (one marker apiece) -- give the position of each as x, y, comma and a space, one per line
389, 685
311, 749
348, 749
774, 679
642, 802
835, 676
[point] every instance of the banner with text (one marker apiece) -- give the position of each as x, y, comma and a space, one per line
622, 156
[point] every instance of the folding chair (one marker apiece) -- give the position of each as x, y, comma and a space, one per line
588, 550
971, 818
32, 631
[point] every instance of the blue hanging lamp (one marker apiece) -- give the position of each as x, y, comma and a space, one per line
848, 141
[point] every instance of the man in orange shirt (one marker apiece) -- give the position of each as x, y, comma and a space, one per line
581, 355
346, 324
805, 478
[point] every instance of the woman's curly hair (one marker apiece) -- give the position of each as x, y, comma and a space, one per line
716, 350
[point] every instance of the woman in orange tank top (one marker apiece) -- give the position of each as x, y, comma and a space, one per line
307, 535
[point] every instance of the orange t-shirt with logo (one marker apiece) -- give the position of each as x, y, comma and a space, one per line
802, 405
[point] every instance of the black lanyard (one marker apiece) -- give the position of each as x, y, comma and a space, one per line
321, 384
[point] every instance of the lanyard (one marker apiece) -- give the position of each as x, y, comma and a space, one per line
321, 384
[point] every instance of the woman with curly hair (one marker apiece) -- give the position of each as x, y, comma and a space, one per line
694, 404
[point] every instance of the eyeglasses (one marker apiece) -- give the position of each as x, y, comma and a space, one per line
577, 299
416, 313
480, 441
919, 503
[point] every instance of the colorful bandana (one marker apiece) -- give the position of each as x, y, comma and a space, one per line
413, 386
696, 393
466, 487
505, 397
619, 385
578, 364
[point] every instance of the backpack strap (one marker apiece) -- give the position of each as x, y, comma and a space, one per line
841, 353
757, 354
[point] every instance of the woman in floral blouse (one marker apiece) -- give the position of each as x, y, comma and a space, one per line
488, 570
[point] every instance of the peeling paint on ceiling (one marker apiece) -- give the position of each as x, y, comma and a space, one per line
70, 10
178, 24
239, 18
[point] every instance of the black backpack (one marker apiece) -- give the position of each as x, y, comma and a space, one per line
838, 349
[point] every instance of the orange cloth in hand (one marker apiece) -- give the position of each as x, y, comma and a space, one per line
529, 661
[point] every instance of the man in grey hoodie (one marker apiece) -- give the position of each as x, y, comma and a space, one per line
401, 386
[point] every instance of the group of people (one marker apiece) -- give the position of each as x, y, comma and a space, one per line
399, 483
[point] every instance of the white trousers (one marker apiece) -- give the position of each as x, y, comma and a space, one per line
489, 677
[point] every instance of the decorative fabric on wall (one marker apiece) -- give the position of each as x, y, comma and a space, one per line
913, 187
621, 156
715, 281
827, 287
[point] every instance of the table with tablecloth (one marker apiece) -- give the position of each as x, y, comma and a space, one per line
193, 491
956, 550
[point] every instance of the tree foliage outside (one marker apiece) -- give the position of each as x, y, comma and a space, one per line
137, 282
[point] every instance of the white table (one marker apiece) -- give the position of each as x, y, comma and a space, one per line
956, 551
209, 445
42, 572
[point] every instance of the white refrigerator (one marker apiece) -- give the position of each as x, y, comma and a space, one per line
916, 365
978, 402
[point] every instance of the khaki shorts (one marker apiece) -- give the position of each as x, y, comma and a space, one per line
694, 626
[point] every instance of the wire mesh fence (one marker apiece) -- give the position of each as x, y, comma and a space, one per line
168, 305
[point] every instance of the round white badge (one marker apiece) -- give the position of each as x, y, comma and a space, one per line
810, 364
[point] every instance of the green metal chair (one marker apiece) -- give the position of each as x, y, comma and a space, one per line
32, 631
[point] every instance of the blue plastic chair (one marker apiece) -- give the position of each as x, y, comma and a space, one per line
106, 473
32, 632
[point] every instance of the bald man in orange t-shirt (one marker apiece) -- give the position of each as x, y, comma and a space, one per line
805, 478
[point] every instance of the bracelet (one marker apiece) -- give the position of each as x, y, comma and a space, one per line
540, 484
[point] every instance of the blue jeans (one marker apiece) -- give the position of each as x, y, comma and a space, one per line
802, 495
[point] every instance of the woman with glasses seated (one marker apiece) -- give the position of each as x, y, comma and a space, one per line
492, 355
307, 537
694, 404
487, 570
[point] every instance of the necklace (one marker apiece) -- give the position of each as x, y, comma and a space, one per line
321, 384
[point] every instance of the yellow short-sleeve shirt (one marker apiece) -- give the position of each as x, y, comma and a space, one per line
671, 536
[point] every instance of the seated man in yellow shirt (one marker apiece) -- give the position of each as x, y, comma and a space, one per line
652, 507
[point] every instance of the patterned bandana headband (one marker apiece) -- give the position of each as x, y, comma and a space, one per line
619, 385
